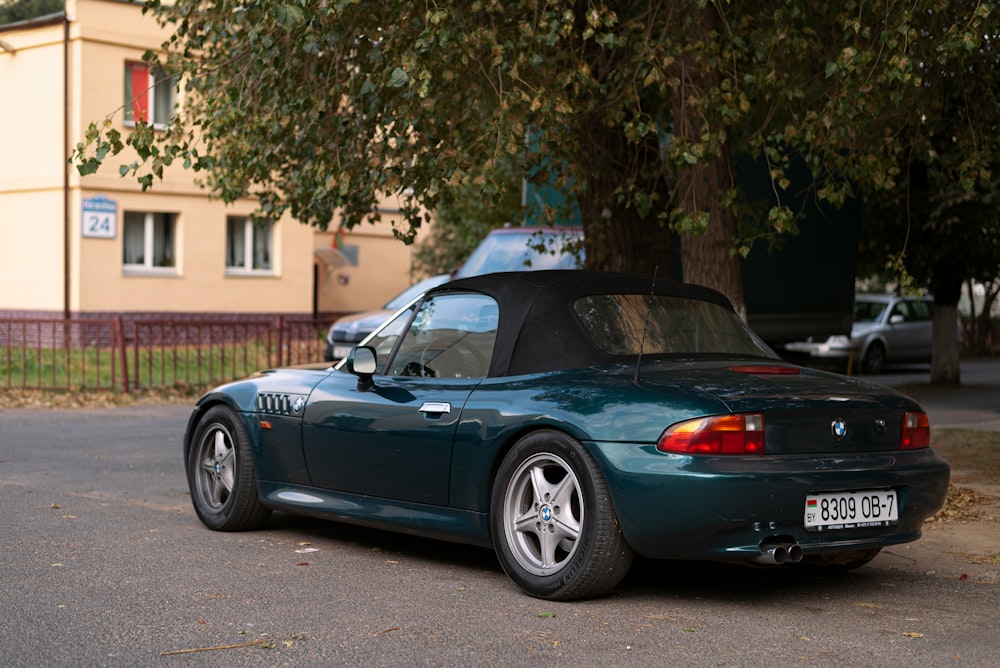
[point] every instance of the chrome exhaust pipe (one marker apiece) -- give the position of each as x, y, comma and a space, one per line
777, 553
772, 554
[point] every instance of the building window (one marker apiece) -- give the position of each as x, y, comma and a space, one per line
248, 245
149, 240
149, 95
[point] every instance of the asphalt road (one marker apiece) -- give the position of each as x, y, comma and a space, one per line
103, 563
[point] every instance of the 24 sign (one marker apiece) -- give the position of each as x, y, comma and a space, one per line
100, 217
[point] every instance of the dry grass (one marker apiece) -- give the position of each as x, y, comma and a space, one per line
84, 399
975, 454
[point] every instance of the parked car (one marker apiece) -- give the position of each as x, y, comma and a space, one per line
346, 332
525, 249
503, 249
570, 420
886, 330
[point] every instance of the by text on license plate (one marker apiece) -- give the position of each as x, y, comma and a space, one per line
851, 510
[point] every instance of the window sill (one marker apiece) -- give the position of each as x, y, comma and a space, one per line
157, 272
235, 272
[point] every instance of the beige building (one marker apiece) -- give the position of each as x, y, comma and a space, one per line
87, 246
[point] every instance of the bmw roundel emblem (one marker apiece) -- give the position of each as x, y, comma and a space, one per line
838, 428
299, 403
546, 513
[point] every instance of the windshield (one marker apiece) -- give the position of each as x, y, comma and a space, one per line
630, 324
868, 311
521, 251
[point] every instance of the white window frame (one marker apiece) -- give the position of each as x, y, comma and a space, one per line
146, 267
251, 235
159, 86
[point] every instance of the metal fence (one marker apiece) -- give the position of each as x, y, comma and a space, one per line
121, 355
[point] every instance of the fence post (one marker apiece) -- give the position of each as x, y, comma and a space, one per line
280, 323
119, 336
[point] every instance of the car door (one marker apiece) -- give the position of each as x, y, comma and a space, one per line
395, 439
907, 334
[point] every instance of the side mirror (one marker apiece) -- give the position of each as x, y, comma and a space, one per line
361, 362
896, 319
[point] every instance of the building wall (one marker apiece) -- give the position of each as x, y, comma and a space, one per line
31, 169
34, 222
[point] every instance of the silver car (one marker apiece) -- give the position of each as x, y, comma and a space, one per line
886, 330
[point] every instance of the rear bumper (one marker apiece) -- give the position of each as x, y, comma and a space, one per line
724, 508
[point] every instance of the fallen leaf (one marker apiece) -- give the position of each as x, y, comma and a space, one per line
302, 563
912, 634
56, 506
546, 615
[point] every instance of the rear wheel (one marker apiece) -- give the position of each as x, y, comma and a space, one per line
221, 474
552, 520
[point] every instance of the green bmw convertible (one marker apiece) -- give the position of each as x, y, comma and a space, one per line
570, 420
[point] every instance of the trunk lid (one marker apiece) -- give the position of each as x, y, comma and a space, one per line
806, 411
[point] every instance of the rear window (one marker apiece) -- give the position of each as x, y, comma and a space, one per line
628, 324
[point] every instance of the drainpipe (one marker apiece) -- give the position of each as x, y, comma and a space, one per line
66, 168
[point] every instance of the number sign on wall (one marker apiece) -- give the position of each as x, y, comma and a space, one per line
100, 217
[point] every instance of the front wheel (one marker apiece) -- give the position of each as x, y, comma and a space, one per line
874, 360
221, 474
552, 520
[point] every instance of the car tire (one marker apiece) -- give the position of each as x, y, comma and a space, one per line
874, 360
221, 474
842, 561
552, 520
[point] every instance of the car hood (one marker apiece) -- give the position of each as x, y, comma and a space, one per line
862, 329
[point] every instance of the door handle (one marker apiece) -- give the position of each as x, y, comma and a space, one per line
435, 407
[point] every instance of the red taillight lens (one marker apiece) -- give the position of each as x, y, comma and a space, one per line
916, 431
719, 435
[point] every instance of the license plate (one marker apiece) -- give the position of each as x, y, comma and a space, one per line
851, 510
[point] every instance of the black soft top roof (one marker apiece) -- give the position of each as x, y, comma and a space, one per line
538, 330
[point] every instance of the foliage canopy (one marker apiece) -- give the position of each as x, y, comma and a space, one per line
637, 108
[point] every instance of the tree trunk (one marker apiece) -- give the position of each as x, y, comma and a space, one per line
945, 356
709, 258
945, 366
617, 236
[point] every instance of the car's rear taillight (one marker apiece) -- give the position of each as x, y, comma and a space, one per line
916, 431
718, 435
